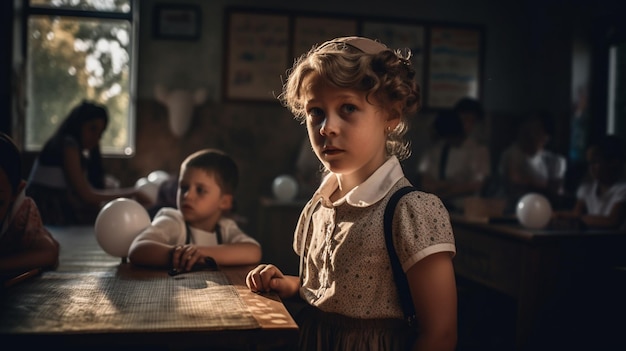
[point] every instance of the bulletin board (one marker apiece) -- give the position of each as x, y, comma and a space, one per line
256, 56
454, 66
262, 45
408, 36
310, 31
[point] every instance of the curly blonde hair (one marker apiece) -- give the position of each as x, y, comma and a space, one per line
363, 65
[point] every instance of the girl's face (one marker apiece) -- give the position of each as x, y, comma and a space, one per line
346, 131
601, 169
200, 199
91, 133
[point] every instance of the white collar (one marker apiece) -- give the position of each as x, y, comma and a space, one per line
372, 190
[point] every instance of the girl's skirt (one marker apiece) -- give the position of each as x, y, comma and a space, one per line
335, 332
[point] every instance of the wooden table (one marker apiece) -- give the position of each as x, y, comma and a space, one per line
525, 264
93, 300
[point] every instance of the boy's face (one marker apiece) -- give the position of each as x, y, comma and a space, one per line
200, 199
6, 196
469, 121
535, 138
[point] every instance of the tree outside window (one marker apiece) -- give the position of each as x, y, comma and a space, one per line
79, 50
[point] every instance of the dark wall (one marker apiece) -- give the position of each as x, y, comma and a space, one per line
6, 43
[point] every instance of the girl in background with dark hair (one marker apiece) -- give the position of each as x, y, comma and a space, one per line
67, 179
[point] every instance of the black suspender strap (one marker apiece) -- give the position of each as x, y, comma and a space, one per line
218, 233
188, 239
398, 274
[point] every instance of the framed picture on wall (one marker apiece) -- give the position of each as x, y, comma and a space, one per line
401, 36
454, 68
310, 31
172, 21
257, 55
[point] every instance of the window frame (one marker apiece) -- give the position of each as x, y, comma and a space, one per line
132, 16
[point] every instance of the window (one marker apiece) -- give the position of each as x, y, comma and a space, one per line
616, 121
76, 50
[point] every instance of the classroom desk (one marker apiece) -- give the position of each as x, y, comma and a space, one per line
93, 300
525, 264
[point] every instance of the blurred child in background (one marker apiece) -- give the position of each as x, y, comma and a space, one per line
456, 167
528, 166
601, 199
25, 244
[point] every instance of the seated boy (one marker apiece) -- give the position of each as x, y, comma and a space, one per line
200, 227
25, 244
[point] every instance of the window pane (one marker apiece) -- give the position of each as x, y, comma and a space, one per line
71, 59
616, 123
85, 5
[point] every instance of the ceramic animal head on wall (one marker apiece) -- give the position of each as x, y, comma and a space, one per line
180, 104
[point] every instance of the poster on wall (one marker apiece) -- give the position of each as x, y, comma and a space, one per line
257, 56
400, 36
454, 66
311, 31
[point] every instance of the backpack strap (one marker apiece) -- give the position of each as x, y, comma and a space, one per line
398, 274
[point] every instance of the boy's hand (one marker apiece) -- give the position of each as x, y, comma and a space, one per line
184, 257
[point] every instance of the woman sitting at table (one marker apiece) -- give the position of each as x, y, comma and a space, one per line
601, 199
68, 179
25, 244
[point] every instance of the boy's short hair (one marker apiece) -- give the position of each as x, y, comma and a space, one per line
10, 161
448, 124
470, 105
217, 162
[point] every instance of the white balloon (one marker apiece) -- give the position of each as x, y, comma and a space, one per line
158, 177
534, 211
117, 225
141, 181
285, 187
151, 190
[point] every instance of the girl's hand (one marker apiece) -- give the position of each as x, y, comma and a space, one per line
266, 278
262, 278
